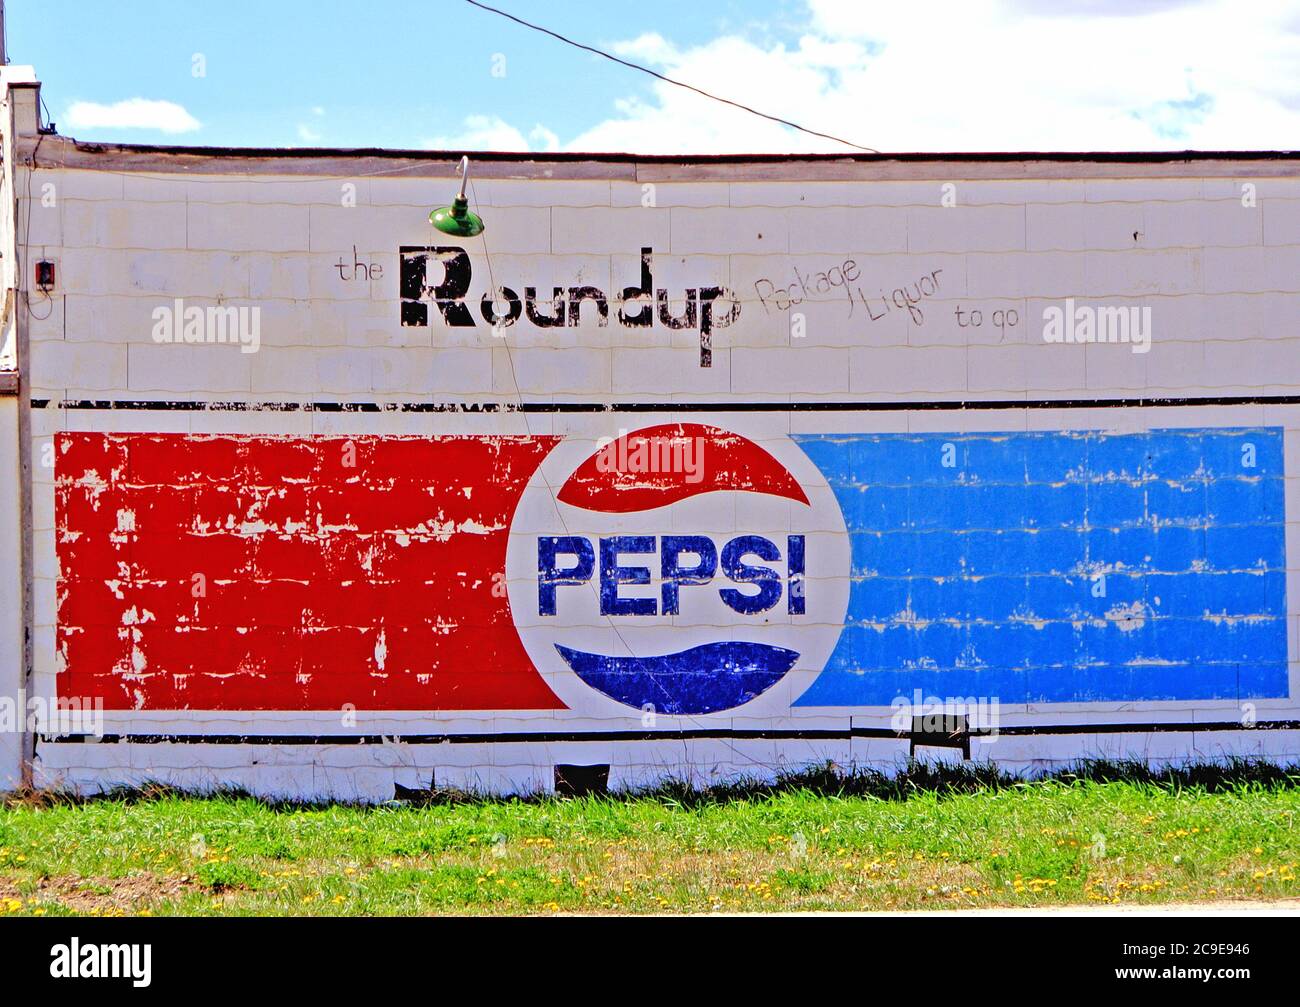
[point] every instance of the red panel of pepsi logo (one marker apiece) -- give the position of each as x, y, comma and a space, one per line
291, 573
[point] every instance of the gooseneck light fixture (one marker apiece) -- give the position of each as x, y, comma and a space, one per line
457, 219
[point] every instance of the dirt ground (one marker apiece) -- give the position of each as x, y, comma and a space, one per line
101, 894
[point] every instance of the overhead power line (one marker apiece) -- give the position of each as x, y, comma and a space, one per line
669, 80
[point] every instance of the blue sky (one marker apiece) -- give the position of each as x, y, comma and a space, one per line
387, 73
918, 75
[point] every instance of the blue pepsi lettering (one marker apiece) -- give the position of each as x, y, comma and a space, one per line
675, 576
549, 576
612, 575
684, 561
767, 579
794, 551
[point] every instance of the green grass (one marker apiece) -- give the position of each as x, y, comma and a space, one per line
923, 839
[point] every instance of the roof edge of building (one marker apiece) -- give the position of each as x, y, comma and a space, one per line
1103, 157
52, 150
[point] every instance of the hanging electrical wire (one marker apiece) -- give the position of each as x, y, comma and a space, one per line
669, 80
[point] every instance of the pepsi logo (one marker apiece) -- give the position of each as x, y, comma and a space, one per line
679, 568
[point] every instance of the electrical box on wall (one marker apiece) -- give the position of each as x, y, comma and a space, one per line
45, 275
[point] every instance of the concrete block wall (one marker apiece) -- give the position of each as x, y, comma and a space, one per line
1216, 274
852, 319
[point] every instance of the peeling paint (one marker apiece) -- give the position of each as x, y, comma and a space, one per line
1061, 560
317, 581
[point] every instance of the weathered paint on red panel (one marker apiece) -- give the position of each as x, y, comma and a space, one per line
286, 573
658, 466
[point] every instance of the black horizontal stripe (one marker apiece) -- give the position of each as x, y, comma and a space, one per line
848, 406
697, 734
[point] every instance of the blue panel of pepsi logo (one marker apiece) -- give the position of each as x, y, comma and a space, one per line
1055, 566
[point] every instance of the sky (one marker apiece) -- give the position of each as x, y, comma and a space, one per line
912, 75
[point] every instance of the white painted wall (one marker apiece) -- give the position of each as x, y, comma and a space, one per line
19, 99
1219, 276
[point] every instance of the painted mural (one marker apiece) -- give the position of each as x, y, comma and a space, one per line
683, 568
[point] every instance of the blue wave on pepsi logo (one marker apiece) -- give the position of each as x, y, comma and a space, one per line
703, 679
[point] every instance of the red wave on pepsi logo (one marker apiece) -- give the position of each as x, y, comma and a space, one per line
660, 465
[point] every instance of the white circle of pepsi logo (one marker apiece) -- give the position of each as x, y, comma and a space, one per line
679, 569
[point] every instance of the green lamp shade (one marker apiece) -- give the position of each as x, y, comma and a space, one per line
456, 219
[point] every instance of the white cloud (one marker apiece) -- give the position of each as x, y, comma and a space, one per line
490, 132
1018, 74
977, 76
308, 133
133, 113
